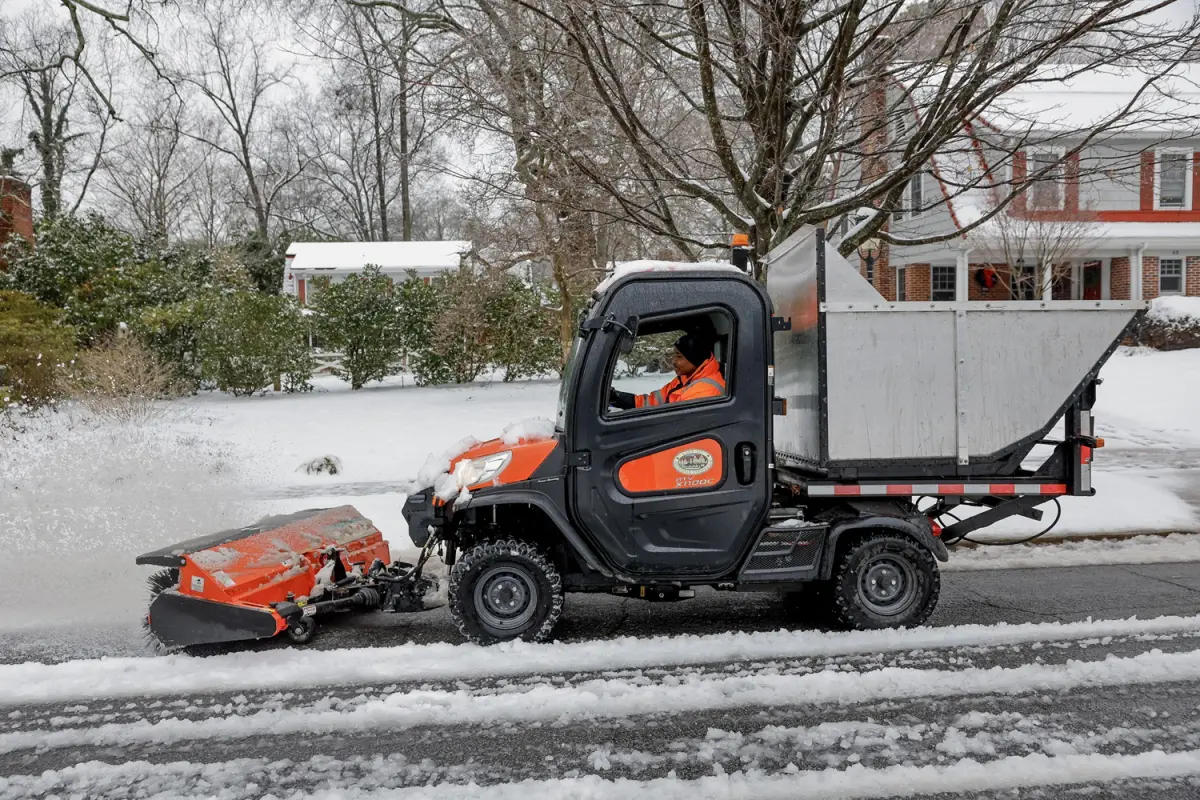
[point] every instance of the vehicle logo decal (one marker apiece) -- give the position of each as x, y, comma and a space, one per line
693, 462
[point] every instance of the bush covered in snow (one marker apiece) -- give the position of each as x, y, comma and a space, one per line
523, 335
35, 348
250, 340
1173, 323
360, 318
123, 380
458, 325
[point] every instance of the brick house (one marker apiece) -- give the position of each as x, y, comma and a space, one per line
307, 261
1120, 219
16, 210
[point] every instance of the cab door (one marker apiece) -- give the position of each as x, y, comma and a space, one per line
676, 489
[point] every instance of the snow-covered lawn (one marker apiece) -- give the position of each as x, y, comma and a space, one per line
79, 500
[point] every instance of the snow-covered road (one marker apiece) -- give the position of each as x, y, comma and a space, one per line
978, 709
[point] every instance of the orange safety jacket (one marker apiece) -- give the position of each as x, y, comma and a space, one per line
706, 381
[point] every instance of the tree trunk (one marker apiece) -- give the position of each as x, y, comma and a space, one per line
405, 189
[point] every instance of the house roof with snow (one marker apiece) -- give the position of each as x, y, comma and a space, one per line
1134, 101
391, 257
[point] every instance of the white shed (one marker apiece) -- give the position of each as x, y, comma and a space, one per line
308, 260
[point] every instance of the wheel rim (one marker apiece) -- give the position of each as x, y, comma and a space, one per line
506, 597
887, 585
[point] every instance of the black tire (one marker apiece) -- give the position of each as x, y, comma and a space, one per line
885, 581
505, 589
302, 630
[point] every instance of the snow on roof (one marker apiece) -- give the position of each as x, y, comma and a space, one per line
1168, 105
1056, 101
389, 256
629, 267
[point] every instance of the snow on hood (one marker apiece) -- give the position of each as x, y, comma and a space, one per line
436, 472
528, 430
629, 267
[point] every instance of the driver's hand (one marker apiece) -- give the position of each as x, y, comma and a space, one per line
621, 400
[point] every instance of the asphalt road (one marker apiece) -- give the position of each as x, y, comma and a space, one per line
340, 739
974, 597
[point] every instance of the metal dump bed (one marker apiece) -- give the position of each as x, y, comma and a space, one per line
882, 389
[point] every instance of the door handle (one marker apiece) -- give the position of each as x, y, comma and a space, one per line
745, 463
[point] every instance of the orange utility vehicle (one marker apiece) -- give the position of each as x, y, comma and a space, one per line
850, 431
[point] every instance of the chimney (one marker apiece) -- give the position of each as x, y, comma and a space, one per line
16, 204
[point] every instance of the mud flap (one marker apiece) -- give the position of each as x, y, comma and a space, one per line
181, 621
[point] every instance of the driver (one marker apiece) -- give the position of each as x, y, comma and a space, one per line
699, 376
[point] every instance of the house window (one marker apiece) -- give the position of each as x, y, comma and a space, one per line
870, 269
916, 193
1170, 276
1047, 190
1023, 280
943, 283
912, 199
1173, 180
900, 289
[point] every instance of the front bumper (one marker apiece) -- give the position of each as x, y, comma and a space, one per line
423, 518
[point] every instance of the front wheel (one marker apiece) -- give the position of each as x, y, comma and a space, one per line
885, 581
503, 590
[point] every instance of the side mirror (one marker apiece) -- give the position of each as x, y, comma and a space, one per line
628, 335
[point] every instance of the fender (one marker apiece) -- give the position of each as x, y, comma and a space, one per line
902, 526
515, 495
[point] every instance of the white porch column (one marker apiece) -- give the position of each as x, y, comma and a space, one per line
1047, 276
1076, 280
961, 270
1106, 279
1135, 273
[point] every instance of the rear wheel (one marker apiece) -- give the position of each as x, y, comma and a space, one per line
885, 581
505, 589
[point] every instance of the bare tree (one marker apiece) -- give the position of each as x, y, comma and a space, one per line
151, 171
1030, 254
84, 23
234, 73
773, 116
67, 123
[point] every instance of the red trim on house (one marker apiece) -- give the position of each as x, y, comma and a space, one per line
300, 290
1147, 216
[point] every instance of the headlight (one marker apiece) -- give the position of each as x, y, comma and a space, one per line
481, 470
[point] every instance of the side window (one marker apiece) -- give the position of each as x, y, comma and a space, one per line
676, 359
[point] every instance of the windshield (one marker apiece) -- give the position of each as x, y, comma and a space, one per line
567, 376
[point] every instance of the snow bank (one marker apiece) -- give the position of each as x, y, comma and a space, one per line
290, 669
966, 775
1175, 310
1124, 502
1148, 401
1173, 549
617, 698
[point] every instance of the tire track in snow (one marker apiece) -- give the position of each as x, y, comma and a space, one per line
60, 716
289, 670
615, 699
918, 734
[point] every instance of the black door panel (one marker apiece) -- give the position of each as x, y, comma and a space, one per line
680, 532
